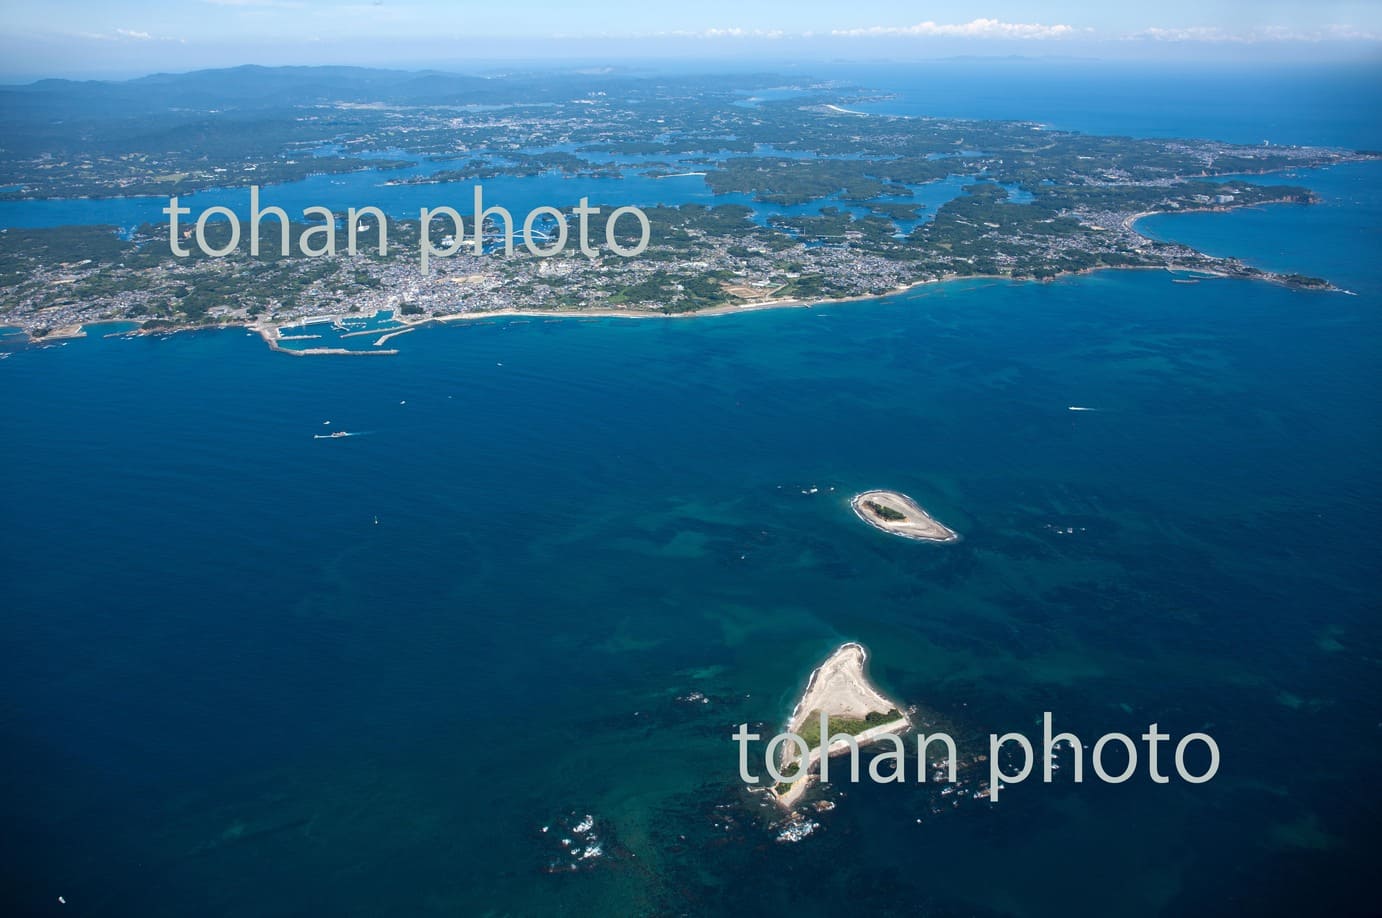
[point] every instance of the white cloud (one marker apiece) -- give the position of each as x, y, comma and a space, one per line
997, 29
744, 33
126, 35
1264, 33
978, 28
726, 33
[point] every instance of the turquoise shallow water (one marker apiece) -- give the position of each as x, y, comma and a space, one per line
228, 690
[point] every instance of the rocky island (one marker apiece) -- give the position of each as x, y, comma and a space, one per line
897, 513
841, 690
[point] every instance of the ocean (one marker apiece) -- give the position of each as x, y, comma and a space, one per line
247, 671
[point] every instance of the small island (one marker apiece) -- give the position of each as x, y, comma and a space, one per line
839, 688
897, 513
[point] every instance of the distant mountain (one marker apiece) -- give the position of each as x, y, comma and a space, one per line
248, 87
233, 112
165, 110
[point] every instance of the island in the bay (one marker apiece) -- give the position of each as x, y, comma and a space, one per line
897, 513
840, 689
753, 202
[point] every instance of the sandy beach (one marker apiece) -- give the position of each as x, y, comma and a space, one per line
840, 688
269, 331
898, 514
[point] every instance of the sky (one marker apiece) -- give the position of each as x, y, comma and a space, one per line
102, 38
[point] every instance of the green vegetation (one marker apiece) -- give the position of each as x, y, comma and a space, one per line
795, 181
885, 513
811, 729
269, 125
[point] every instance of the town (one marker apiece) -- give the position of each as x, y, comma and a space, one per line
539, 225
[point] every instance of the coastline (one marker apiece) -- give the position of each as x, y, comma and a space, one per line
839, 685
268, 331
910, 522
1130, 221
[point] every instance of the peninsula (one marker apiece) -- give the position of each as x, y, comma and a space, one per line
841, 690
897, 513
777, 203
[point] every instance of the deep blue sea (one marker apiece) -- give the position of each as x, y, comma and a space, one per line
245, 671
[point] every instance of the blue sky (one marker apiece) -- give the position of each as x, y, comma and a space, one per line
81, 37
